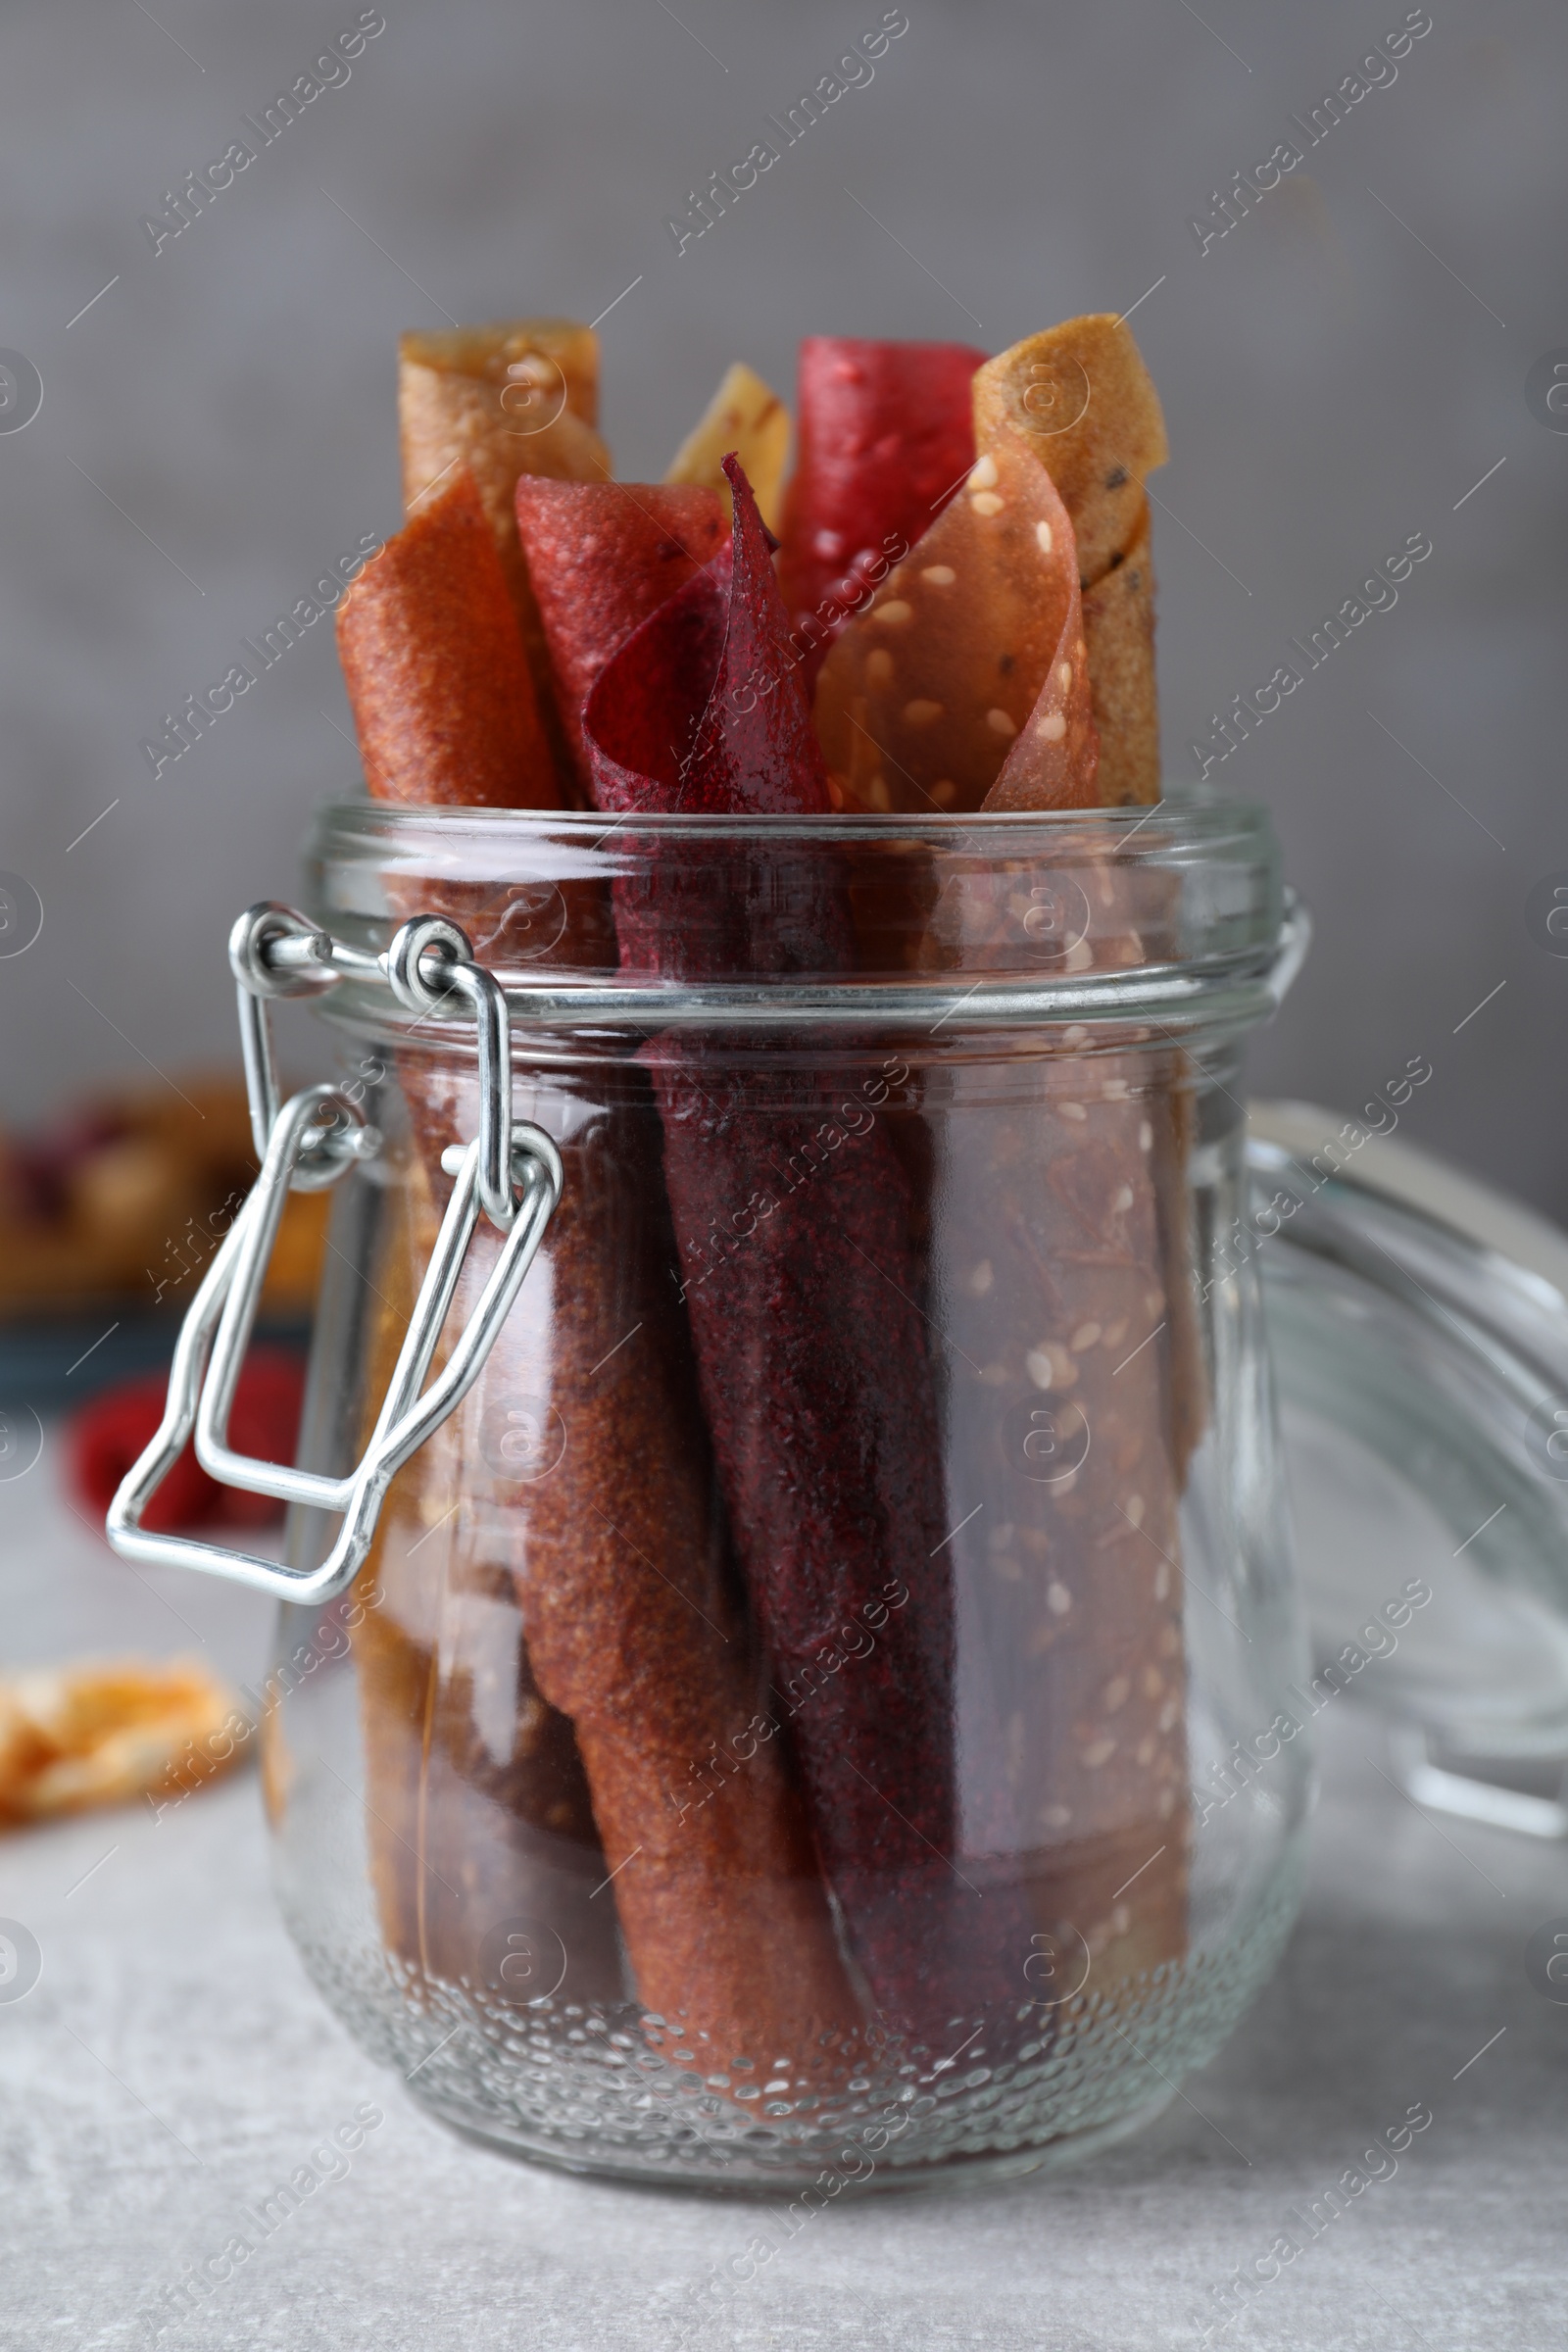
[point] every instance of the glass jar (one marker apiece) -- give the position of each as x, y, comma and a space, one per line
820, 1699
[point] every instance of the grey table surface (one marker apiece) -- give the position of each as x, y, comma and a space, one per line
172, 2065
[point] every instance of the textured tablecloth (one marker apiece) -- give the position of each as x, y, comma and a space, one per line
172, 2066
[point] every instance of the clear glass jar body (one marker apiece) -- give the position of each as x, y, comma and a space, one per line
820, 1702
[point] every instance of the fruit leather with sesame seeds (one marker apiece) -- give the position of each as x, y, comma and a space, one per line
1062, 1253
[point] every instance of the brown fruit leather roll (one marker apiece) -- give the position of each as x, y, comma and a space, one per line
617, 1565
518, 398
582, 1460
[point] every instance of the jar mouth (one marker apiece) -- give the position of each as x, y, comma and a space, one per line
1171, 916
1202, 818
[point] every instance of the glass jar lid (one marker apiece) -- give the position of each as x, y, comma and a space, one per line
1419, 1331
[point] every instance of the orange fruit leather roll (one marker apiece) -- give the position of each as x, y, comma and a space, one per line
1059, 1211
579, 1463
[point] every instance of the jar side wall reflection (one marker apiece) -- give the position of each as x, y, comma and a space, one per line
1249, 1720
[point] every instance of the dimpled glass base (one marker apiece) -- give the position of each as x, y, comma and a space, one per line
585, 2091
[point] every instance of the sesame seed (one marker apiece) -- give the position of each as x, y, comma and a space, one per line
983, 476
1064, 676
1117, 1692
1167, 1803
1059, 1601
1000, 724
940, 575
895, 613
922, 712
1115, 1090
1168, 1714
1121, 1919
986, 502
1134, 1508
1143, 1752
981, 1279
1079, 956
1161, 1581
877, 794
944, 791
1053, 728
1153, 1682
1084, 1336
1145, 1136
1122, 1199
1043, 534
1076, 1035
1041, 1366
879, 668
1117, 1332
1057, 1817
1072, 1110
1097, 1752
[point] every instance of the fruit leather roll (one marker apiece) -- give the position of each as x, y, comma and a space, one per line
501, 401
921, 705
1059, 1245
886, 434
799, 1284
582, 1460
612, 1543
747, 419
602, 556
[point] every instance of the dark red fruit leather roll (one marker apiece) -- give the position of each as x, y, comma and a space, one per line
602, 557
885, 435
793, 1218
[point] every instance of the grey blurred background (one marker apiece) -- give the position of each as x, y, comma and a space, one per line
1338, 371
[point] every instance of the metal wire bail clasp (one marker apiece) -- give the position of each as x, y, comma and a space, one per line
512, 1174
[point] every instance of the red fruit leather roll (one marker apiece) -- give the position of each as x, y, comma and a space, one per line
435, 664
617, 1565
602, 557
885, 435
813, 1364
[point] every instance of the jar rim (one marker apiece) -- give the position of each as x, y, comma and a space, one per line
1221, 968
1200, 814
